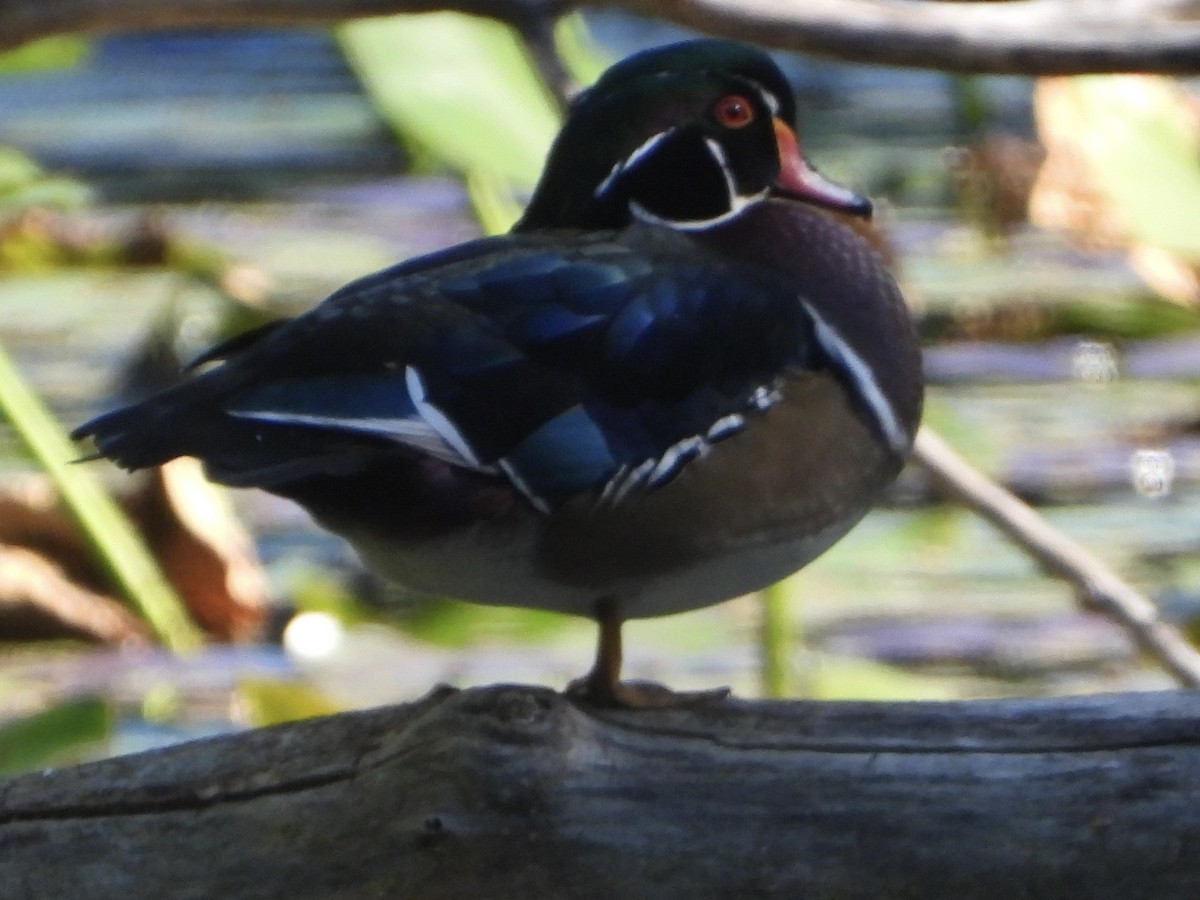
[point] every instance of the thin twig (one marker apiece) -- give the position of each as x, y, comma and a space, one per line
537, 32
1060, 556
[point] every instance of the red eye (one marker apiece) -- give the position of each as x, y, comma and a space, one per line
733, 111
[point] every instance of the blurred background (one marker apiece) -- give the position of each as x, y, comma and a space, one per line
158, 192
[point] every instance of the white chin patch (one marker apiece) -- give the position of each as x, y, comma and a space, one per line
737, 203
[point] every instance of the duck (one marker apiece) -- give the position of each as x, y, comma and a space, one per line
678, 379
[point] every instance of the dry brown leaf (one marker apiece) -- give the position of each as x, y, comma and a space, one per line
204, 551
38, 601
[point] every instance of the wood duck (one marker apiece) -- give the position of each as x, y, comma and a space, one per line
674, 382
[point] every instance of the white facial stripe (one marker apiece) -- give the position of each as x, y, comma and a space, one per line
722, 161
864, 379
739, 203
437, 419
768, 98
647, 146
608, 180
644, 215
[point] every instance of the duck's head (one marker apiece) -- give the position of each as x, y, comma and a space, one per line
688, 135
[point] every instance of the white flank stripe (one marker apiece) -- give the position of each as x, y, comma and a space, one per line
864, 379
724, 426
765, 396
675, 456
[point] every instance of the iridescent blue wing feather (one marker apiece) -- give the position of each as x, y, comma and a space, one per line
563, 366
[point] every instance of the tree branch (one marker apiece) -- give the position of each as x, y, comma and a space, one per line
1060, 556
1021, 37
26, 20
509, 792
1029, 37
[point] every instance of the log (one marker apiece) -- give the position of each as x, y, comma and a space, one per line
518, 792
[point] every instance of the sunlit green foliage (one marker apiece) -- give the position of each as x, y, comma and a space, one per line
55, 735
57, 52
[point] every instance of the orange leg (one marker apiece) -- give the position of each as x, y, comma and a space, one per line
602, 686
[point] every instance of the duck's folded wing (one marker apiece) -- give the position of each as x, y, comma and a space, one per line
585, 365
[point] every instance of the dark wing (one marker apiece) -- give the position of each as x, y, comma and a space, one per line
562, 365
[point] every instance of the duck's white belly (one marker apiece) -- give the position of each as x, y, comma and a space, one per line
481, 570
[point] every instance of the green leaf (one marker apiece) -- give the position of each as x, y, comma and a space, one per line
1143, 144
58, 52
775, 641
584, 59
47, 736
23, 183
459, 92
104, 523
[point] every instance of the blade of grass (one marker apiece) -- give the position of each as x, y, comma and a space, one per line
42, 737
775, 642
104, 523
584, 59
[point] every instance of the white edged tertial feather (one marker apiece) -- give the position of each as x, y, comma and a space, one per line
415, 433
438, 420
538, 502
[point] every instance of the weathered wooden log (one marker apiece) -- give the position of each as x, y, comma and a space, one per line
515, 792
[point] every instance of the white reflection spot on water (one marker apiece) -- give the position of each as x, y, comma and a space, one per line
1094, 362
1152, 471
312, 636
